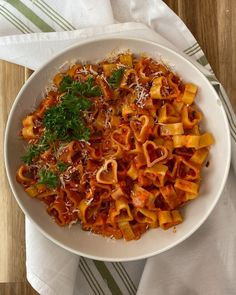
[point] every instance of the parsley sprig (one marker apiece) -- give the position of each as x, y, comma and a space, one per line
35, 150
64, 121
65, 83
86, 89
49, 178
116, 77
62, 166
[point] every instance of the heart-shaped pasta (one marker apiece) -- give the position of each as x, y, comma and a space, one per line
190, 116
121, 137
187, 170
107, 174
154, 153
116, 146
142, 127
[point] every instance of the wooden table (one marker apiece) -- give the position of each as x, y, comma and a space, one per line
213, 24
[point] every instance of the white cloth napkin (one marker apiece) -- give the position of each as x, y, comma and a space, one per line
203, 264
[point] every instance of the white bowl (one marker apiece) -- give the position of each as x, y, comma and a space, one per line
154, 241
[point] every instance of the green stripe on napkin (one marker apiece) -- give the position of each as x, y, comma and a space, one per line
124, 276
90, 277
53, 15
108, 278
28, 13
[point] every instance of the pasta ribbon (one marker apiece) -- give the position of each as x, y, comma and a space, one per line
28, 130
133, 171
127, 60
168, 219
129, 78
188, 141
140, 196
121, 212
108, 69
25, 176
155, 91
206, 140
143, 215
170, 196
70, 151
171, 129
189, 93
117, 193
126, 230
199, 156
157, 174
106, 90
187, 186
61, 212
35, 189
168, 114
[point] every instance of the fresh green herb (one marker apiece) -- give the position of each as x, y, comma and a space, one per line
33, 152
62, 166
65, 83
48, 178
36, 149
65, 121
86, 89
116, 77
74, 103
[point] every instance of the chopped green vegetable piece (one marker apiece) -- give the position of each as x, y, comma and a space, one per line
75, 103
65, 122
33, 152
62, 166
87, 89
48, 178
116, 77
36, 149
65, 83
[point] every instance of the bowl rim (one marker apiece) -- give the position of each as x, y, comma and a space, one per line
26, 211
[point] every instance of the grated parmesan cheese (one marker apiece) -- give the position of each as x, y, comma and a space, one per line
92, 71
72, 222
142, 95
88, 202
62, 181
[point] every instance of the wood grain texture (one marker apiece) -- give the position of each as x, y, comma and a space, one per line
12, 230
17, 289
213, 24
12, 254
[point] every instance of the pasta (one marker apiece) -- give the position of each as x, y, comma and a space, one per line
115, 146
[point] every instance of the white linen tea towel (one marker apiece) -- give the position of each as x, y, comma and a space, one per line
203, 264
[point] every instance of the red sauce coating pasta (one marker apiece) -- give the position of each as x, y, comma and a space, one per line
115, 146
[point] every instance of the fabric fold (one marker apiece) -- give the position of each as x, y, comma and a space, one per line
51, 269
204, 263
